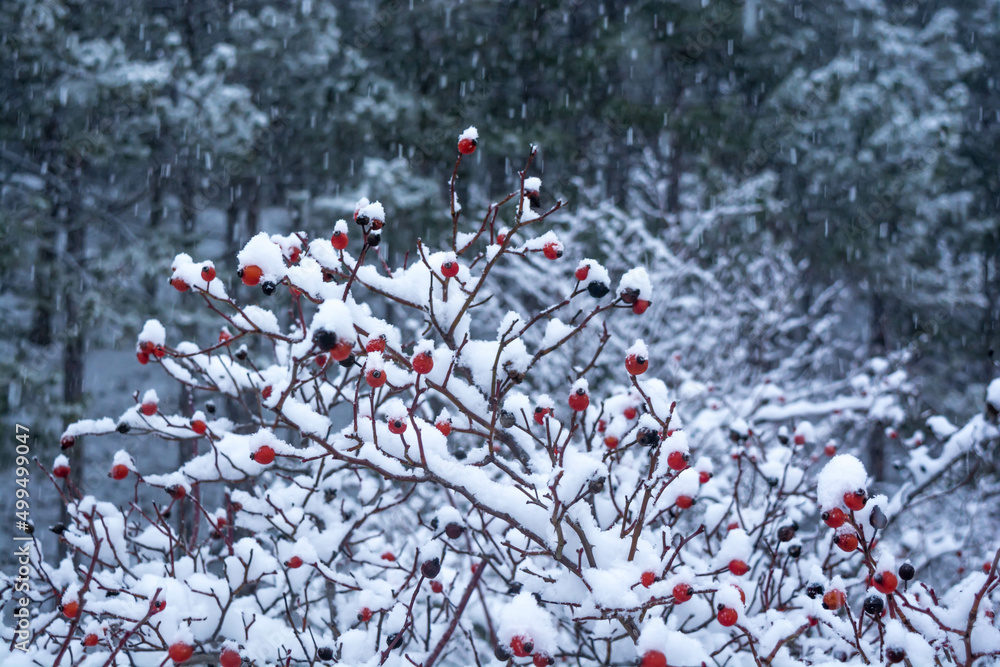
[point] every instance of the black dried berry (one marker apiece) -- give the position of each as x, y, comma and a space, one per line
906, 572
454, 530
647, 437
814, 590
629, 295
874, 605
507, 419
325, 340
501, 653
431, 568
786, 533
795, 550
324, 653
268, 288
123, 427
598, 289
878, 519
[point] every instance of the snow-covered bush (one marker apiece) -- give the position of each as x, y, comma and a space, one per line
402, 493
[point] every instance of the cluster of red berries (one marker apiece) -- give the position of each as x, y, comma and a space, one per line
148, 349
846, 540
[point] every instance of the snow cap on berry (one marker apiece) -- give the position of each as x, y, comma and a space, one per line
288, 244
261, 251
685, 484
842, 474
638, 348
703, 464
523, 617
806, 430
374, 362
123, 458
304, 548
373, 211
596, 272
532, 184
150, 396
736, 545
729, 596
394, 408
470, 133
60, 460
341, 226
918, 651
153, 332
682, 649
580, 384
333, 316
636, 279
425, 346
544, 401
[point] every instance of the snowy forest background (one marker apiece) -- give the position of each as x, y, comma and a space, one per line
810, 185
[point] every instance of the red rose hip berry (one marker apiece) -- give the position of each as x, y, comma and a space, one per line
855, 500
653, 659
678, 460
423, 363
578, 400
449, 269
180, 652
119, 471
264, 455
467, 146
682, 593
208, 273
727, 616
230, 658
397, 426
636, 364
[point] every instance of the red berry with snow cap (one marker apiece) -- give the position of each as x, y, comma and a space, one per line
653, 659
682, 593
582, 273
834, 518
264, 455
444, 426
179, 285
636, 364
341, 351
375, 378
541, 413
521, 646
467, 146
727, 616
148, 408
678, 460
855, 500
180, 652
578, 400
119, 471
846, 541
449, 268
423, 363
230, 658
551, 250
375, 345
251, 275
61, 471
